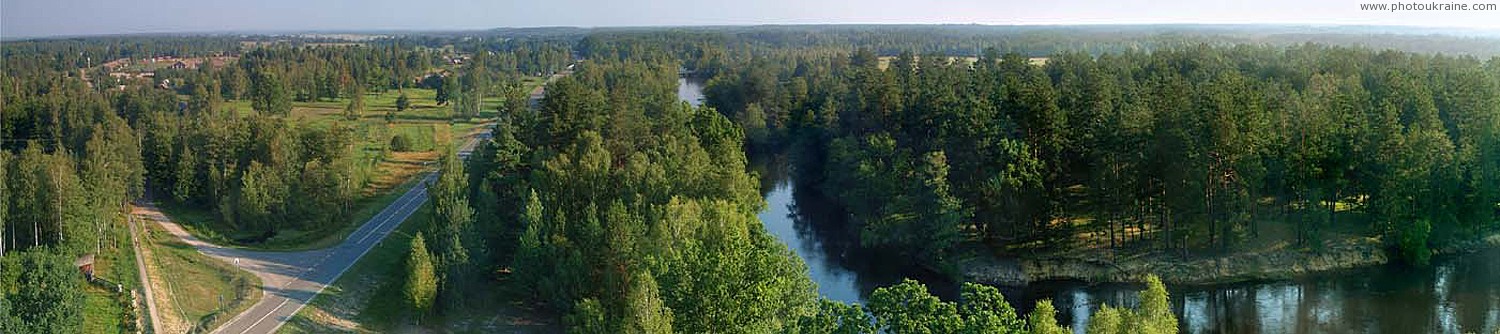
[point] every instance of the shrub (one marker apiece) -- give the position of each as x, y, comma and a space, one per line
1413, 242
401, 143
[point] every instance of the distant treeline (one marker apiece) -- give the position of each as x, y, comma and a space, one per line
625, 210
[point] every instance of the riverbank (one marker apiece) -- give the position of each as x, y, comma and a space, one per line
1283, 263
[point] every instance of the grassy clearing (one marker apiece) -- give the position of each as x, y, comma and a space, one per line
423, 107
885, 61
105, 313
189, 285
368, 298
1263, 250
400, 167
115, 262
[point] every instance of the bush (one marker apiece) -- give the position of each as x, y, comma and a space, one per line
401, 143
403, 102
1413, 242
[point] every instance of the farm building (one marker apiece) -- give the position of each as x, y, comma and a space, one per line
85, 265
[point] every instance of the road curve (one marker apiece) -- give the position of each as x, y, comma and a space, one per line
289, 280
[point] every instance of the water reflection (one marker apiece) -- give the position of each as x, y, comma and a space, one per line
690, 91
1455, 295
835, 281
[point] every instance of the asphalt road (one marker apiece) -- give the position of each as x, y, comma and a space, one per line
291, 279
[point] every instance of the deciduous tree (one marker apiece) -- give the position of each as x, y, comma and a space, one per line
420, 289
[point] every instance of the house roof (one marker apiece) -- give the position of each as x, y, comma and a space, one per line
86, 259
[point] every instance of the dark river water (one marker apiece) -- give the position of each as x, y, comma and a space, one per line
1456, 294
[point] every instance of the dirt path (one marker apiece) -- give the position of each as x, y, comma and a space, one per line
167, 316
140, 264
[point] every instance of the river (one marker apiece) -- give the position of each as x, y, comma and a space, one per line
1456, 294
690, 91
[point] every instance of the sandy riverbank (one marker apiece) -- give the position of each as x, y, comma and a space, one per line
1173, 269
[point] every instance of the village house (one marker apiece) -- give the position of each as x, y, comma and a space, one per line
85, 265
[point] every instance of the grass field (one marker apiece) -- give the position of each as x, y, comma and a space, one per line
105, 314
368, 298
190, 286
115, 263
885, 62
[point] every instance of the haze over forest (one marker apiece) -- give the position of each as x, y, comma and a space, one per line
42, 18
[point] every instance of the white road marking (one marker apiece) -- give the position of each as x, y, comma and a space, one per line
379, 227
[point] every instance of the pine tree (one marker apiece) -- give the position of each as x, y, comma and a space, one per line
445, 87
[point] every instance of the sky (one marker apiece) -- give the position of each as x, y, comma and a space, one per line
44, 18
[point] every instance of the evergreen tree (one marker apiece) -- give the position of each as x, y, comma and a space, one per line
445, 89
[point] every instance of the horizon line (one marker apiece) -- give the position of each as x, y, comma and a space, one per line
379, 31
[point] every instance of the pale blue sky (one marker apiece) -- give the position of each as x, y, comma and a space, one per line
32, 18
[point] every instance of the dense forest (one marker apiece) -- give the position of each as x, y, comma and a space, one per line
613, 207
644, 222
1181, 149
